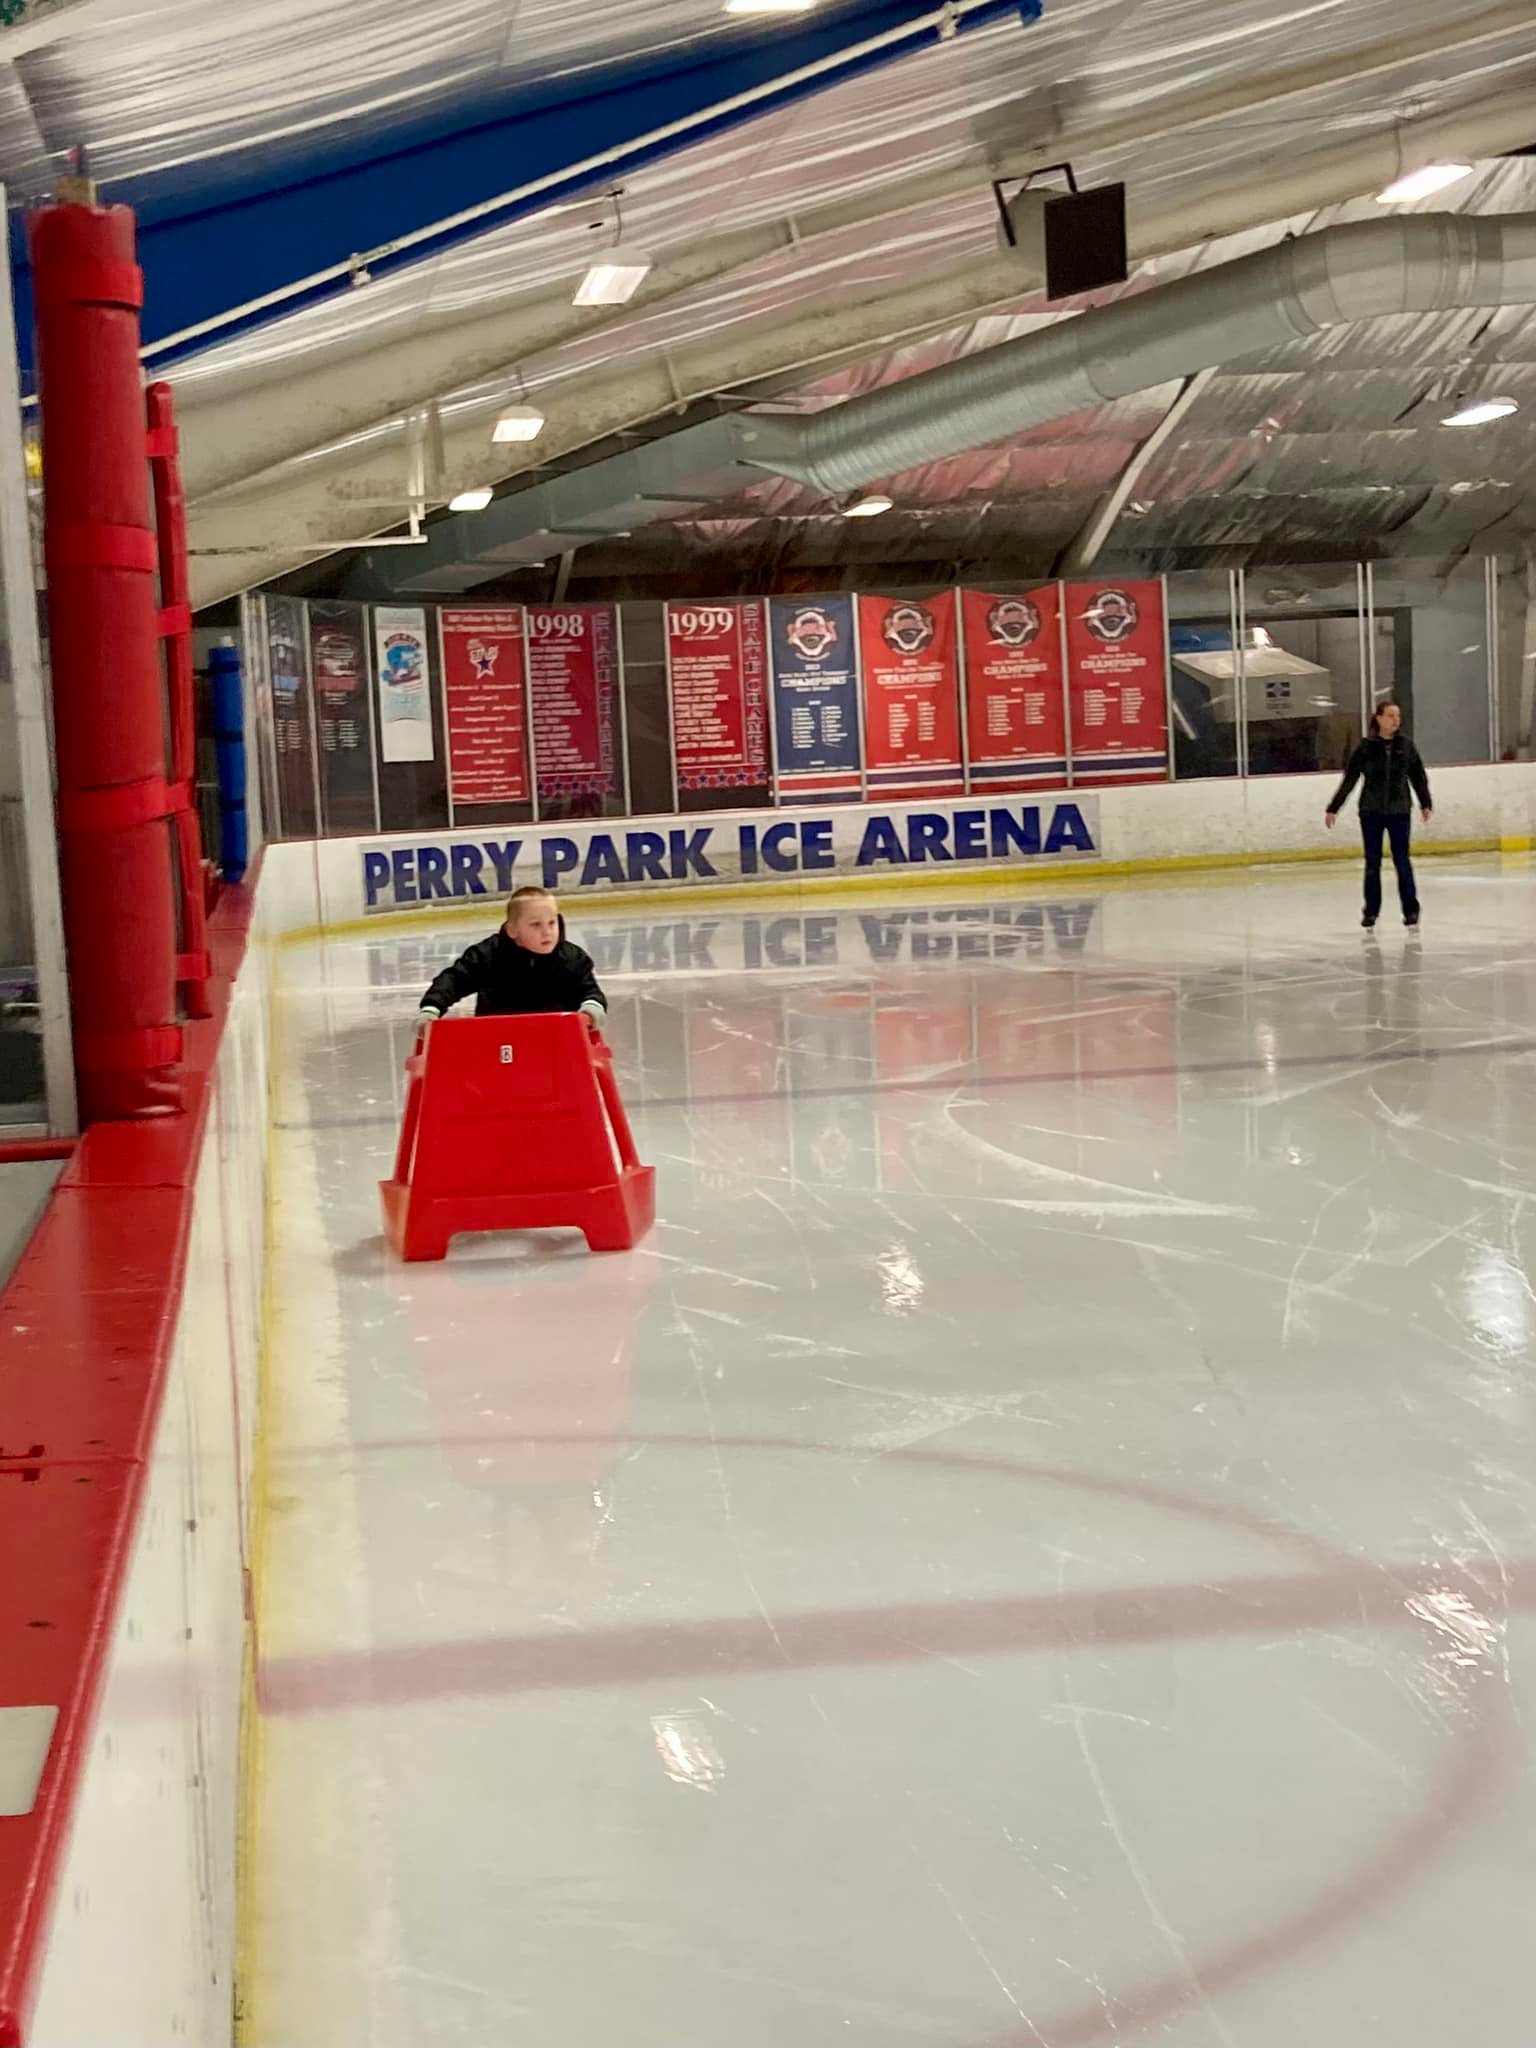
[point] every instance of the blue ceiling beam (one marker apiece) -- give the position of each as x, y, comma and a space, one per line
214, 237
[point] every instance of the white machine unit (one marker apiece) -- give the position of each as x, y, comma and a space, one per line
1279, 685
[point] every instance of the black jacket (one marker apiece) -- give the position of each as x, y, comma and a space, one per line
1390, 769
509, 981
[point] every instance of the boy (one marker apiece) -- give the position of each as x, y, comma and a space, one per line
529, 967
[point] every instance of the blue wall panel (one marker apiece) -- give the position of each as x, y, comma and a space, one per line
211, 239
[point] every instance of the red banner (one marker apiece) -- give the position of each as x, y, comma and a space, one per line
717, 670
909, 661
573, 672
485, 685
1117, 670
1015, 689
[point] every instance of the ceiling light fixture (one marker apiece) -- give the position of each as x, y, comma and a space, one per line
1480, 412
613, 278
470, 501
518, 423
1423, 183
870, 506
769, 6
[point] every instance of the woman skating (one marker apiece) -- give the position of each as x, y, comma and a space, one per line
1388, 764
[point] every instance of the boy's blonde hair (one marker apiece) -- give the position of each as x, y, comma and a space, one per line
529, 894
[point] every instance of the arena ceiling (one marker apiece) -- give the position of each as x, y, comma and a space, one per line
363, 223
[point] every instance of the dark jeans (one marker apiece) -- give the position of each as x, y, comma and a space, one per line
1398, 828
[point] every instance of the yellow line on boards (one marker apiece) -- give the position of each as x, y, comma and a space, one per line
251, 1733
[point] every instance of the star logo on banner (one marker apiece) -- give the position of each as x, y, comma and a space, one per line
483, 660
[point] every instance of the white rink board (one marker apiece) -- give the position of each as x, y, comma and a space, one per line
343, 880
142, 1946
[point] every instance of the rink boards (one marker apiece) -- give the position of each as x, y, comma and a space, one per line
133, 1328
1147, 829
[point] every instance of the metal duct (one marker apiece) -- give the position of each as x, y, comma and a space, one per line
1400, 264
697, 466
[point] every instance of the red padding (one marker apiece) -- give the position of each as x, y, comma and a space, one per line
76, 1381
154, 1154
119, 902
64, 1536
93, 1241
176, 637
87, 281
113, 810
99, 546
123, 1052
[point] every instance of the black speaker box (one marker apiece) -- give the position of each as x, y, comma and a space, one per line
1085, 246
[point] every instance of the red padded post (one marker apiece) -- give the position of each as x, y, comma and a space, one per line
104, 646
176, 632
514, 1123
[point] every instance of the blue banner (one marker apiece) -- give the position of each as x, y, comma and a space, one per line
815, 699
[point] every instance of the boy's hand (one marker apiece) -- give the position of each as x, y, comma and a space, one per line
1428, 814
1332, 819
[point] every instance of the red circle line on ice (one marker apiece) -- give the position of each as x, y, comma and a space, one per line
1335, 1591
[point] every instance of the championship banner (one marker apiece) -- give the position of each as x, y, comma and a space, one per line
338, 665
815, 700
1117, 669
404, 686
909, 654
573, 671
293, 739
1015, 689
485, 692
717, 670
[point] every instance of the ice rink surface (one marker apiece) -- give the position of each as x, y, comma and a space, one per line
1037, 1549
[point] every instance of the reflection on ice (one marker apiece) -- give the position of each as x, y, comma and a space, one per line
752, 943
687, 1749
1060, 1480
